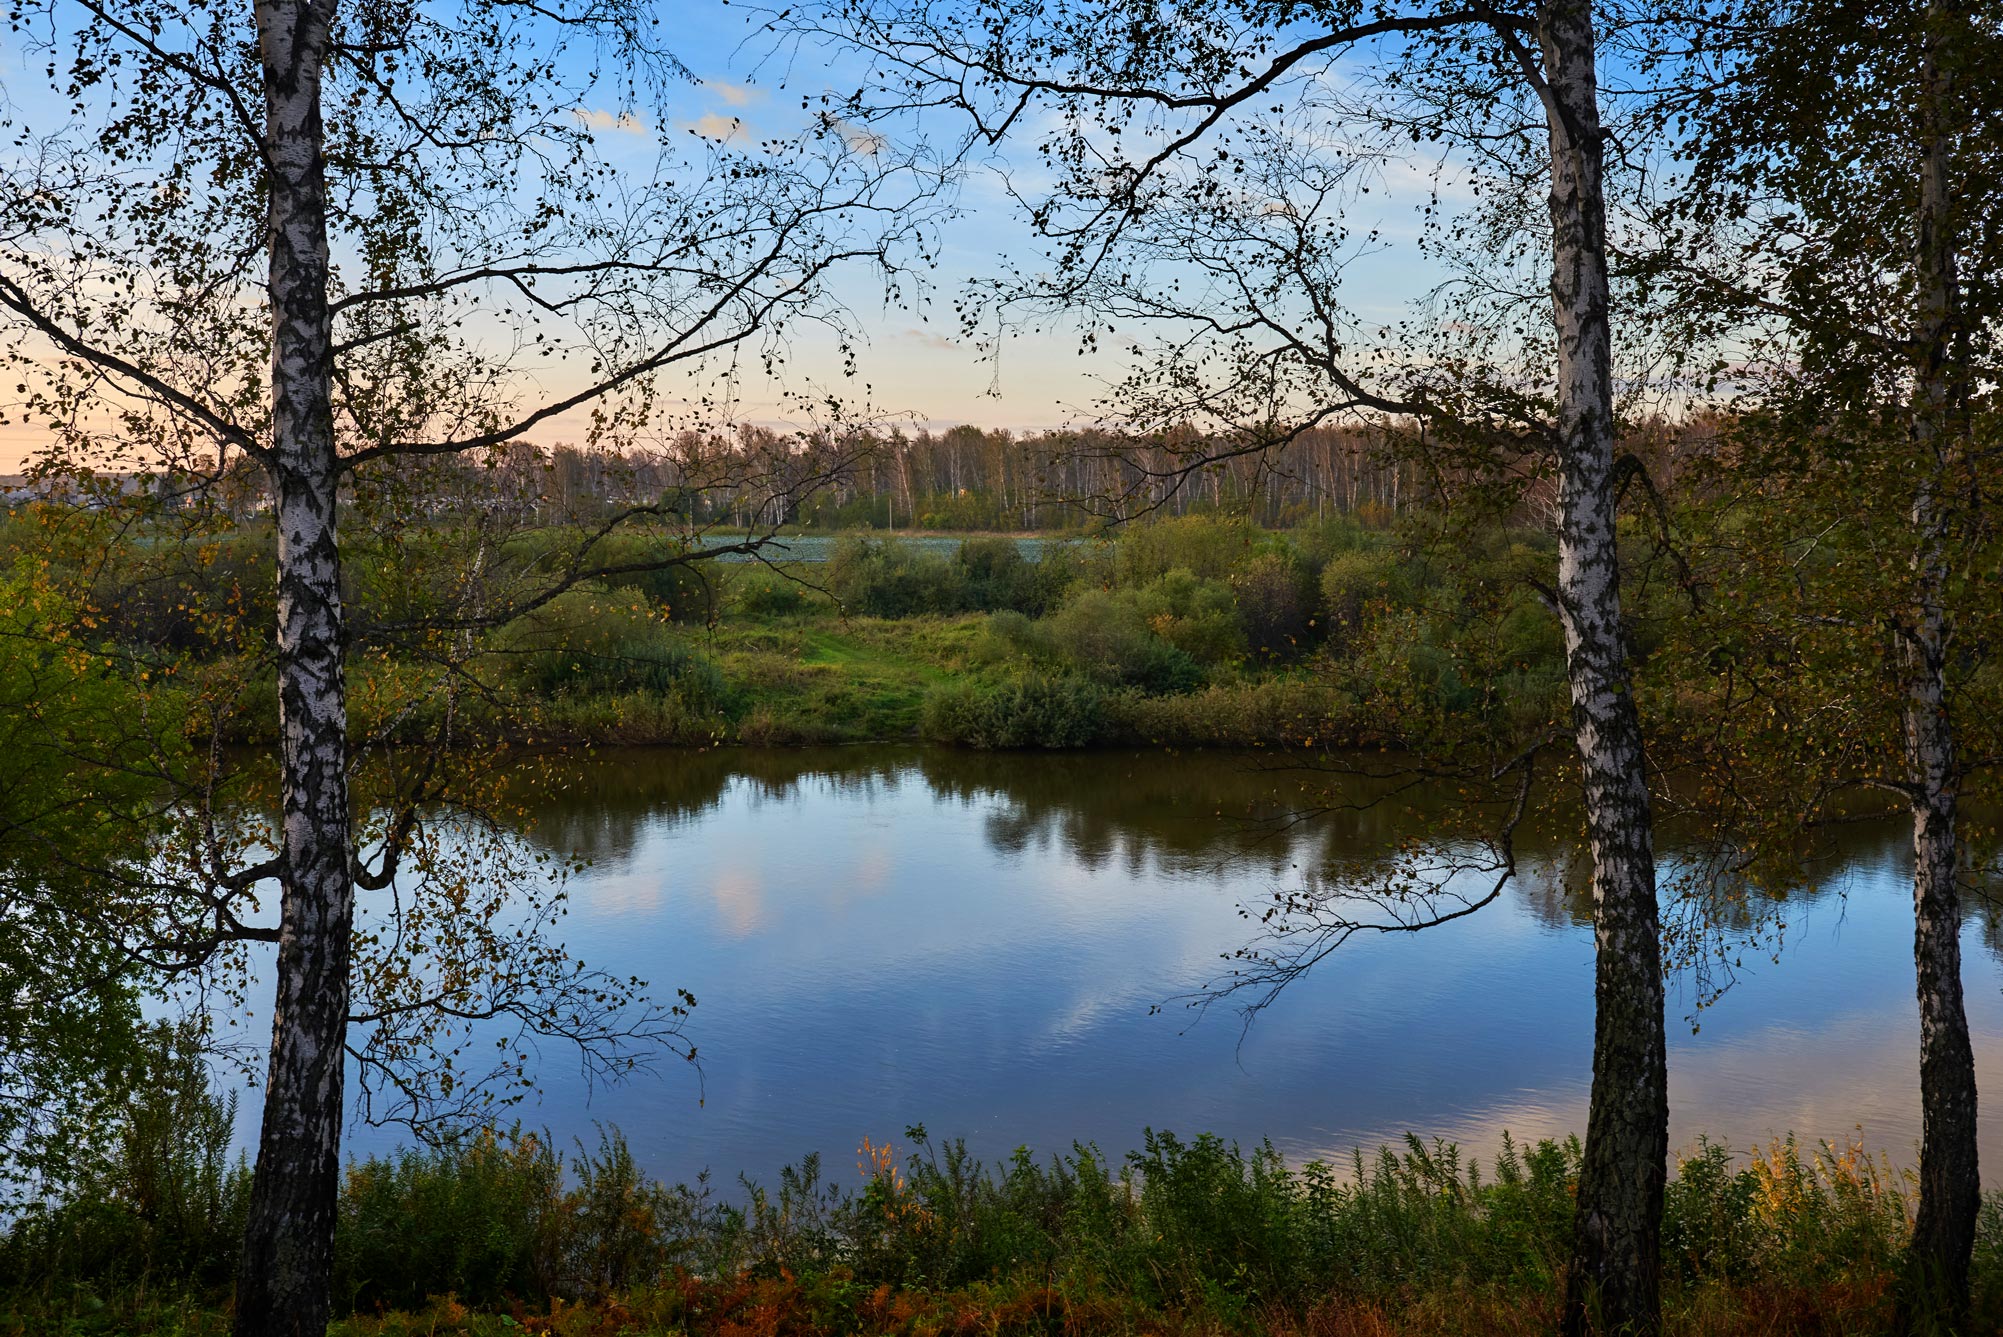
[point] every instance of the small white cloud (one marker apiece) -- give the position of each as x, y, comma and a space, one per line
927, 338
858, 138
736, 95
716, 126
599, 119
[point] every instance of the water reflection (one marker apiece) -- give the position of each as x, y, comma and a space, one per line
882, 936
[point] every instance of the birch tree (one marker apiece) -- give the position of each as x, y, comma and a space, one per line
327, 238
1830, 246
1199, 169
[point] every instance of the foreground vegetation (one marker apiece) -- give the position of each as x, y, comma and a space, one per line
501, 1232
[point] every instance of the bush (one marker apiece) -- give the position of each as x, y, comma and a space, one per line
1202, 545
1337, 536
1804, 1219
1298, 712
996, 576
1014, 631
684, 592
1273, 605
1106, 637
885, 579
1354, 582
489, 1218
1204, 1226
1202, 1229
168, 1205
1196, 616
1032, 710
759, 592
1531, 637
594, 650
473, 1218
203, 599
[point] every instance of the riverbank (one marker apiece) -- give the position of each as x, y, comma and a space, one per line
1200, 631
807, 680
501, 1234
1197, 632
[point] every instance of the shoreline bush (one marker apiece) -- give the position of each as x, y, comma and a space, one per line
1031, 710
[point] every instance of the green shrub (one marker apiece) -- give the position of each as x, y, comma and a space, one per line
1196, 616
1806, 1219
1029, 710
1338, 536
473, 1218
626, 719
759, 592
1274, 606
887, 579
1988, 1260
685, 592
167, 1205
581, 648
1354, 582
1531, 635
1198, 1227
1203, 545
1302, 712
1204, 1225
1408, 672
490, 1216
202, 599
1107, 637
1014, 630
994, 575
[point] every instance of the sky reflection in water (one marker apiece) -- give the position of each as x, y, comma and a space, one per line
886, 937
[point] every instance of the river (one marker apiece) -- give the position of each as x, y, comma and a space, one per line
881, 937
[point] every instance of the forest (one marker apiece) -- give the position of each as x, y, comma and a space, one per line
1560, 441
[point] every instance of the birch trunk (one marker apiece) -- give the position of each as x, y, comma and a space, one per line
1935, 1295
282, 1287
1612, 1284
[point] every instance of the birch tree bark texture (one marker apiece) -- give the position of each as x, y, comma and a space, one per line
282, 1284
1935, 1294
1613, 1282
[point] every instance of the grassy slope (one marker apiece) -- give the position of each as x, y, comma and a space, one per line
809, 679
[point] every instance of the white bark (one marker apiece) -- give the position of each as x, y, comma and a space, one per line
288, 1249
1615, 1261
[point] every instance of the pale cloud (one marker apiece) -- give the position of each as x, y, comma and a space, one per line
735, 95
597, 118
928, 339
859, 139
872, 871
740, 901
716, 126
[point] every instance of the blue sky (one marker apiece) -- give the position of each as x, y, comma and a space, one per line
923, 367
916, 364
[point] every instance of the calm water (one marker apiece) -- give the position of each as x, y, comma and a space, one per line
885, 937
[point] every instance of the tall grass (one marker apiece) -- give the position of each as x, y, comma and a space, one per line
1192, 1234
1811, 1238
164, 1204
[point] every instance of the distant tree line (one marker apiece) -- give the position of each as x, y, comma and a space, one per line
965, 478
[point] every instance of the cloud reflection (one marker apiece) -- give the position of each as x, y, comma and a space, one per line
881, 937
